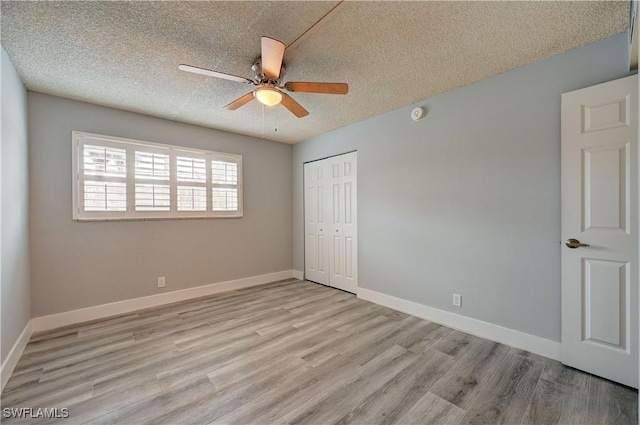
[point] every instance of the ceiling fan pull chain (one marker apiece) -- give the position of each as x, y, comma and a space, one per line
263, 121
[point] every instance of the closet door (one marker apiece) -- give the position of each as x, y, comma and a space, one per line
331, 245
315, 222
343, 230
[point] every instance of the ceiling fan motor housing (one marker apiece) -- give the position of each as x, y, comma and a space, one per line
260, 77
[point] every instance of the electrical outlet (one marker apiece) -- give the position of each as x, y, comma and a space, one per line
161, 282
457, 300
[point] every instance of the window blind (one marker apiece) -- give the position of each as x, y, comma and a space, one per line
119, 178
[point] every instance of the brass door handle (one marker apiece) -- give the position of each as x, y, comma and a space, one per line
574, 243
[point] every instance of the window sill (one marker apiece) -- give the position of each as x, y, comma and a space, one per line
85, 219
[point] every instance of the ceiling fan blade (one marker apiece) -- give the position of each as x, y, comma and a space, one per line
216, 74
240, 101
328, 88
293, 106
272, 54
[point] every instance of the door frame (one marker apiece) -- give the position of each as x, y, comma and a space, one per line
638, 224
304, 223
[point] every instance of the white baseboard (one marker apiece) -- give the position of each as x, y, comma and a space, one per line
524, 341
14, 355
298, 274
53, 321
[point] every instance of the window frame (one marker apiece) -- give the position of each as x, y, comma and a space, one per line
79, 139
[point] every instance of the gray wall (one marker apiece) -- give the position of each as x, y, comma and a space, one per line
14, 219
468, 199
81, 264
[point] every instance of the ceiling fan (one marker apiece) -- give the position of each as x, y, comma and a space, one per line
268, 73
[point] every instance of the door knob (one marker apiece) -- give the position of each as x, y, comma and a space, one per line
574, 243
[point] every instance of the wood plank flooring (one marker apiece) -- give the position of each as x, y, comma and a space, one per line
295, 352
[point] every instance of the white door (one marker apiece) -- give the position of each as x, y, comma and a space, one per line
331, 253
599, 210
316, 246
343, 250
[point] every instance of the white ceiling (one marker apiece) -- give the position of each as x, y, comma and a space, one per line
125, 54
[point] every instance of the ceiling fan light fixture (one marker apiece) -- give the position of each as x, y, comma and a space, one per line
268, 96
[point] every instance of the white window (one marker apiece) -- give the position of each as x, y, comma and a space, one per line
120, 179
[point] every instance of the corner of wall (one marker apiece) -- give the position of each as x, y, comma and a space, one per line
15, 269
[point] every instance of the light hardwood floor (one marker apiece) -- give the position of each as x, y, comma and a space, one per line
298, 353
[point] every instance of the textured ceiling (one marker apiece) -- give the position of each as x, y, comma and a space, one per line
126, 54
